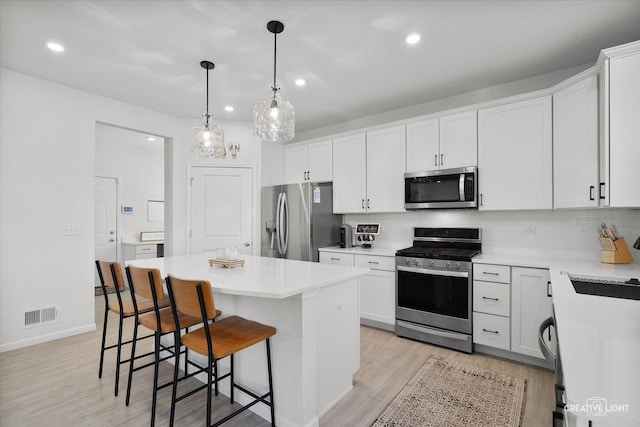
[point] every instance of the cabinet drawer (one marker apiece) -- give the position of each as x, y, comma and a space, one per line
491, 298
491, 330
336, 258
376, 262
146, 249
492, 273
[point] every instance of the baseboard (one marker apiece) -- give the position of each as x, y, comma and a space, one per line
378, 325
46, 338
510, 355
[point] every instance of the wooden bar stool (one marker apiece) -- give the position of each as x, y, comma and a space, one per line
145, 285
110, 273
216, 340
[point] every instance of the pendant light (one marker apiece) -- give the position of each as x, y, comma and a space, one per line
273, 117
208, 138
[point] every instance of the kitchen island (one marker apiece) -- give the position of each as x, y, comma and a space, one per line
314, 308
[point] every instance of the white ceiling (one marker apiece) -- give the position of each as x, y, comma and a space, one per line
352, 53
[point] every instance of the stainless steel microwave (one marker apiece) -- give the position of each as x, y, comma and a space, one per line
442, 189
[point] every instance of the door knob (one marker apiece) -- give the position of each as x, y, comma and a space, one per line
112, 240
112, 232
247, 244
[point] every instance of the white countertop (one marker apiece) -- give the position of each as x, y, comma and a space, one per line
374, 250
259, 277
599, 337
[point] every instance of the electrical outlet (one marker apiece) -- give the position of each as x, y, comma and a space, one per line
71, 230
529, 230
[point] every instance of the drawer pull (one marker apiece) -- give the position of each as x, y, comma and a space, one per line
491, 273
489, 330
334, 259
373, 262
493, 299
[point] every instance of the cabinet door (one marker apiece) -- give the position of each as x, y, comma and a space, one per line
459, 140
377, 296
295, 163
514, 155
385, 170
422, 146
319, 161
530, 305
624, 130
349, 174
575, 145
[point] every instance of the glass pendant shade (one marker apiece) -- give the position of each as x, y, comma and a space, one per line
274, 119
208, 139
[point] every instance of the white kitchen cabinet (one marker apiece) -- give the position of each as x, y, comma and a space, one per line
531, 304
575, 145
515, 155
385, 170
624, 130
491, 305
311, 162
443, 143
133, 251
377, 288
368, 171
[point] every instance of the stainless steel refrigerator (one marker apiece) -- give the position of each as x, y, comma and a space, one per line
297, 219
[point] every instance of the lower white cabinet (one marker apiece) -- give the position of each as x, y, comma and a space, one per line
377, 288
531, 304
491, 330
491, 305
133, 251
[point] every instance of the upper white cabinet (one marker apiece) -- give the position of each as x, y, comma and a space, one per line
309, 162
515, 155
575, 145
443, 143
624, 130
368, 171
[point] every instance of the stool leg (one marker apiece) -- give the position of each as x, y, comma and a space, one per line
104, 338
174, 388
215, 373
231, 381
209, 384
156, 365
119, 352
133, 354
273, 411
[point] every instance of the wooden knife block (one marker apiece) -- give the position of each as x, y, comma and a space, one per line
620, 255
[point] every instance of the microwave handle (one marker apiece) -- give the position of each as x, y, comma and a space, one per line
461, 187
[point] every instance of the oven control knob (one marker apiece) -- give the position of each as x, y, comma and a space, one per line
446, 264
432, 263
457, 266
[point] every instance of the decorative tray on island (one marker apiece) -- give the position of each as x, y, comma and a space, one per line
226, 263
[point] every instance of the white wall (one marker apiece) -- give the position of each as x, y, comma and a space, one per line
558, 234
138, 165
47, 149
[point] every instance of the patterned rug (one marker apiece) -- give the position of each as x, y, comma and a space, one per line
445, 393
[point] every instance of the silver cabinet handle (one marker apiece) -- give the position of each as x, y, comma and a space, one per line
334, 259
441, 159
491, 273
489, 330
493, 299
368, 203
373, 262
362, 203
435, 160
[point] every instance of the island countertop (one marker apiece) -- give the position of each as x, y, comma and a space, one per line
259, 277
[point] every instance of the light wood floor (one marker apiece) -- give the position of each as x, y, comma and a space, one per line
56, 384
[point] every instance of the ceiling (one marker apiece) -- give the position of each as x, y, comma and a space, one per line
351, 53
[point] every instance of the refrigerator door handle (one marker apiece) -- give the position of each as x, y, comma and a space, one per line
285, 228
278, 225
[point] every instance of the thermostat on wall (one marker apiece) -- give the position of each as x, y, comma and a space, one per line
127, 209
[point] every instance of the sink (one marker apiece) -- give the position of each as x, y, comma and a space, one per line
614, 288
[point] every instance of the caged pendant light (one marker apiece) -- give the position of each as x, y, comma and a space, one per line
207, 138
273, 117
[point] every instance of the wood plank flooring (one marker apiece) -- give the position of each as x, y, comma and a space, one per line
56, 384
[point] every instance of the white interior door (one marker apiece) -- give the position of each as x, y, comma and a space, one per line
222, 204
106, 218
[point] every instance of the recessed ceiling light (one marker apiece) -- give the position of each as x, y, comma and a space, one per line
301, 82
228, 108
56, 47
150, 139
413, 38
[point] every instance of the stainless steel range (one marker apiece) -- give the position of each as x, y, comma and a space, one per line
434, 286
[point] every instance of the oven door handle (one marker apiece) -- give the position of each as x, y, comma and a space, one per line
433, 272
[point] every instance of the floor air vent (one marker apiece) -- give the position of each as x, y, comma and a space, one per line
40, 316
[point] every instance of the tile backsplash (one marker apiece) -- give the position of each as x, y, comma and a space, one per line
562, 234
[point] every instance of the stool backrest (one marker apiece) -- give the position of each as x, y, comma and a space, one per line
141, 284
184, 297
110, 278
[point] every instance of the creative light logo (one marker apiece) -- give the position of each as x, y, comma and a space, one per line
597, 407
